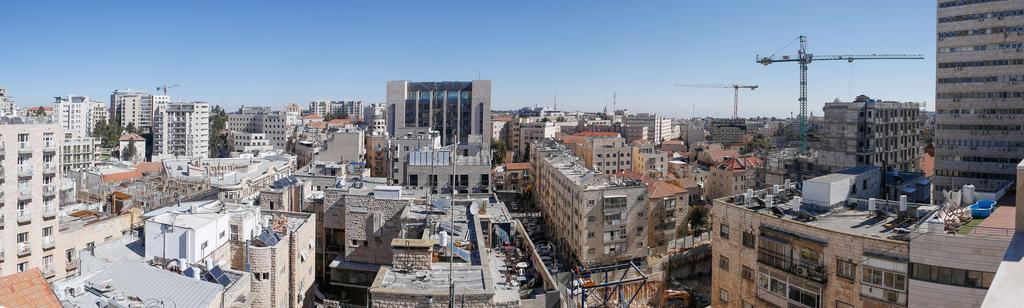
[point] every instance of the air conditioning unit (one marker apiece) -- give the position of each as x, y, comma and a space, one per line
801, 271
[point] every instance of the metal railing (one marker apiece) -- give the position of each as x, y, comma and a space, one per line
49, 146
49, 211
24, 216
49, 189
24, 171
972, 232
24, 193
49, 242
24, 248
800, 267
72, 265
49, 271
24, 147
50, 167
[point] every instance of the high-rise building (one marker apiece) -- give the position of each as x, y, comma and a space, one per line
273, 125
872, 132
31, 195
728, 132
658, 128
979, 135
182, 129
135, 108
453, 108
6, 103
79, 114
339, 109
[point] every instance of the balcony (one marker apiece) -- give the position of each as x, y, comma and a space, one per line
49, 211
49, 189
792, 265
24, 249
49, 242
50, 168
24, 193
1, 223
72, 265
49, 271
24, 171
24, 216
50, 146
24, 147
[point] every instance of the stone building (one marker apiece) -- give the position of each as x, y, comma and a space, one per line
872, 132
735, 175
648, 159
596, 218
604, 152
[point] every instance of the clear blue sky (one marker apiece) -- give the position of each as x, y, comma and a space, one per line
274, 53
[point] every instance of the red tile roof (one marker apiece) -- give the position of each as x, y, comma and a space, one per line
339, 122
27, 289
719, 155
130, 137
121, 176
320, 125
661, 189
149, 167
928, 164
312, 116
741, 163
517, 166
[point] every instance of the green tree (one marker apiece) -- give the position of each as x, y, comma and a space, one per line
129, 151
498, 149
759, 143
218, 132
108, 134
699, 219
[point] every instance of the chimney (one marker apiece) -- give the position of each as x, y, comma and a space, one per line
903, 203
871, 204
796, 203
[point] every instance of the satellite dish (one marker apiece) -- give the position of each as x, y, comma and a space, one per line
474, 209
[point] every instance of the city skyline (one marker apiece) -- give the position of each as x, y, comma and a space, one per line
349, 51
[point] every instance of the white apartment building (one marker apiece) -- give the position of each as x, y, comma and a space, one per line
658, 128
273, 125
135, 107
79, 152
30, 195
182, 129
351, 109
294, 114
79, 114
376, 117
6, 103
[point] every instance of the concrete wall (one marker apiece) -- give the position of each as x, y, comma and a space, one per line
969, 253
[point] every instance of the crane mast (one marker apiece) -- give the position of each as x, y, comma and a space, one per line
804, 58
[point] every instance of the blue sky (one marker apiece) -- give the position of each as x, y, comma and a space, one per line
274, 53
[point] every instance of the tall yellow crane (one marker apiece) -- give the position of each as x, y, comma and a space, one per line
735, 95
804, 58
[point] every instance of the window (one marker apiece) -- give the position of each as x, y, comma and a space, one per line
23, 266
723, 231
590, 234
809, 256
414, 180
723, 262
748, 273
748, 239
203, 245
48, 231
22, 237
846, 269
70, 254
234, 232
723, 295
951, 276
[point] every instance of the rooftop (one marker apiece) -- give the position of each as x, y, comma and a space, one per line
878, 218
27, 289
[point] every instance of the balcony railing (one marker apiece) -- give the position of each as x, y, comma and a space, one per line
50, 146
24, 248
49, 271
49, 189
800, 267
72, 265
49, 242
49, 211
24, 147
24, 171
24, 216
24, 193
50, 168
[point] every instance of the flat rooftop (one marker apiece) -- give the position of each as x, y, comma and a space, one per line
854, 218
436, 279
572, 168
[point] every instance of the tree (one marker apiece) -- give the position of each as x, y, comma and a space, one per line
498, 150
759, 143
699, 219
218, 132
129, 152
108, 134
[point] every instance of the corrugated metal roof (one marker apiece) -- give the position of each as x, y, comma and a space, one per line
147, 282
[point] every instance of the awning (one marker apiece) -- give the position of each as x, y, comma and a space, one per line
340, 263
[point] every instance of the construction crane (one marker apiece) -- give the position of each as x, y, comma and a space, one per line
735, 95
165, 87
805, 58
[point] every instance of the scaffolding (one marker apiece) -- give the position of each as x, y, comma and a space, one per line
149, 193
622, 285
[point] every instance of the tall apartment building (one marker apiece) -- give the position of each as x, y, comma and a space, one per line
6, 103
79, 152
605, 152
979, 102
349, 109
728, 132
375, 116
31, 176
524, 131
453, 108
272, 125
648, 159
79, 114
658, 128
872, 132
182, 129
596, 218
294, 112
135, 108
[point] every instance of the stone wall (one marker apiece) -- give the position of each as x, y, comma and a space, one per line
411, 258
363, 243
435, 300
